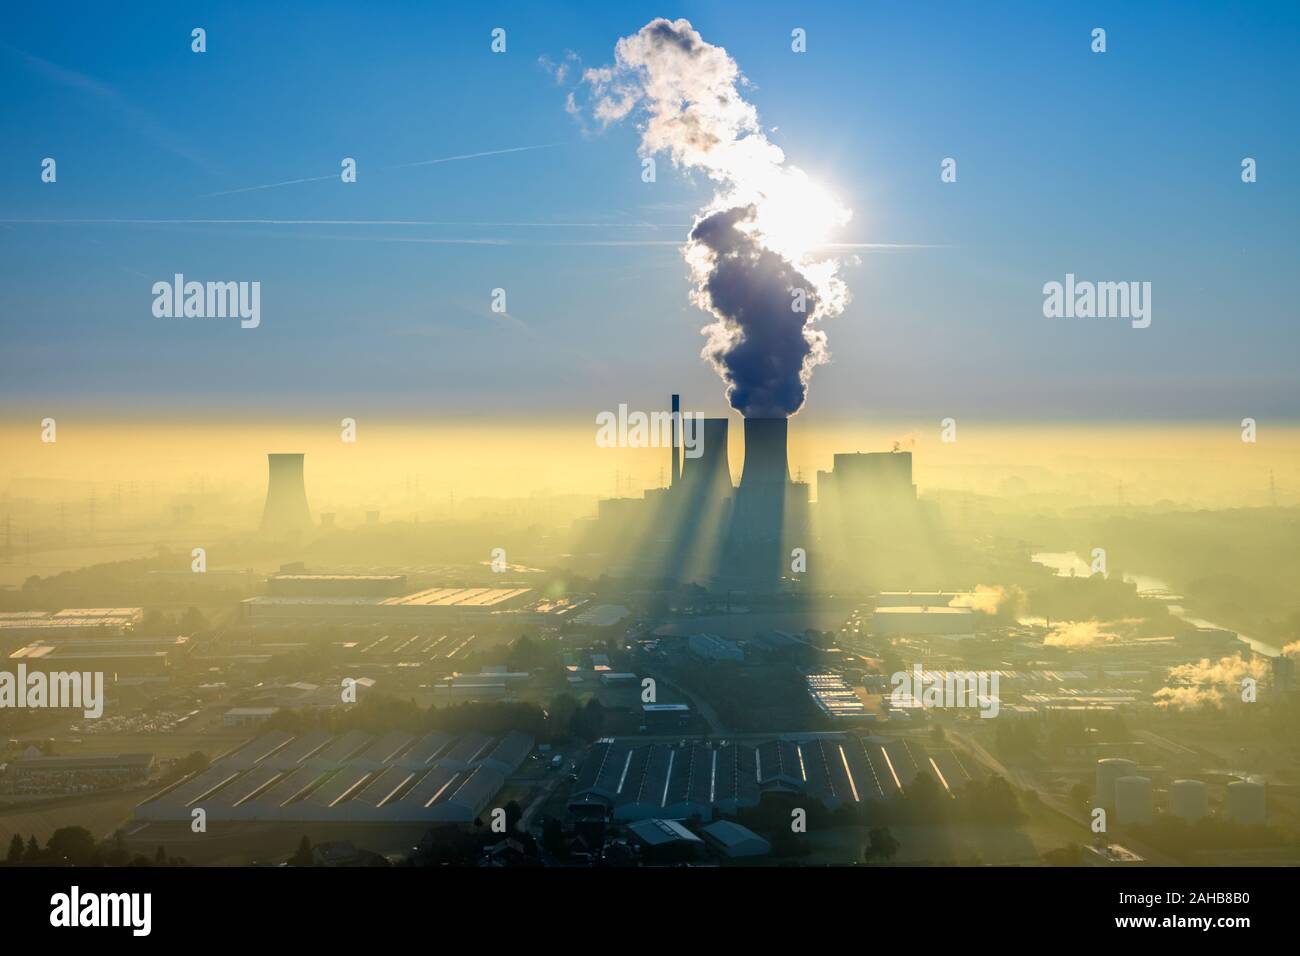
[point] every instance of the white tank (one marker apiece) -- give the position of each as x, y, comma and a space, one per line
1133, 800
1110, 769
1188, 800
1246, 802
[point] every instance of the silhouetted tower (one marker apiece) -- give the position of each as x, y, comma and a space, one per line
286, 496
677, 437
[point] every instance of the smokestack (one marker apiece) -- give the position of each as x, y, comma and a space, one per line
677, 439
286, 496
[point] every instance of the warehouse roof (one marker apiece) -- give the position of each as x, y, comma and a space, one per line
662, 832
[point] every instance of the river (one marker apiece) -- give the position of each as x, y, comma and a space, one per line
1068, 563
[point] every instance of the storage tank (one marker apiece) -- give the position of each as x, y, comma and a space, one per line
1246, 802
1188, 800
1133, 800
1110, 769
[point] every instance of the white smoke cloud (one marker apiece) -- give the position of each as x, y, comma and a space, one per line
1079, 634
1207, 683
757, 243
991, 599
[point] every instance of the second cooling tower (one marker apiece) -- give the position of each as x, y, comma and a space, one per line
708, 476
286, 510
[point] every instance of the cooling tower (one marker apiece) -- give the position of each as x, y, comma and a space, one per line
709, 475
1109, 770
1188, 800
286, 509
760, 499
1133, 800
765, 454
1246, 802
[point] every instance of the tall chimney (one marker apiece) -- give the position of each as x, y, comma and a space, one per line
677, 439
286, 495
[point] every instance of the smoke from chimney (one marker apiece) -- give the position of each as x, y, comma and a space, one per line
753, 251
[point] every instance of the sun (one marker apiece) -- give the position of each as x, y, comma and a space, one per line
796, 215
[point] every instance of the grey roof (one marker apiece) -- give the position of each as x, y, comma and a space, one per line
656, 832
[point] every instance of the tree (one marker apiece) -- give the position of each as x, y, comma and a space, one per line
303, 856
117, 852
15, 850
883, 846
514, 813
553, 837
160, 858
74, 844
33, 852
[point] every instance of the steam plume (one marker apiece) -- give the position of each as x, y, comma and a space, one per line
752, 250
1206, 683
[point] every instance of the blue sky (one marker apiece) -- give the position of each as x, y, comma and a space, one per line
1118, 166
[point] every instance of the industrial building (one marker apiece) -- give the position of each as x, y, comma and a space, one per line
118, 658
439, 604
861, 486
733, 841
710, 647
923, 620
834, 697
665, 841
77, 774
353, 778
624, 780
108, 621
309, 584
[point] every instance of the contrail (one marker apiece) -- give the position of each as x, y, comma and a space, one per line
490, 152
422, 162
453, 241
349, 222
287, 182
